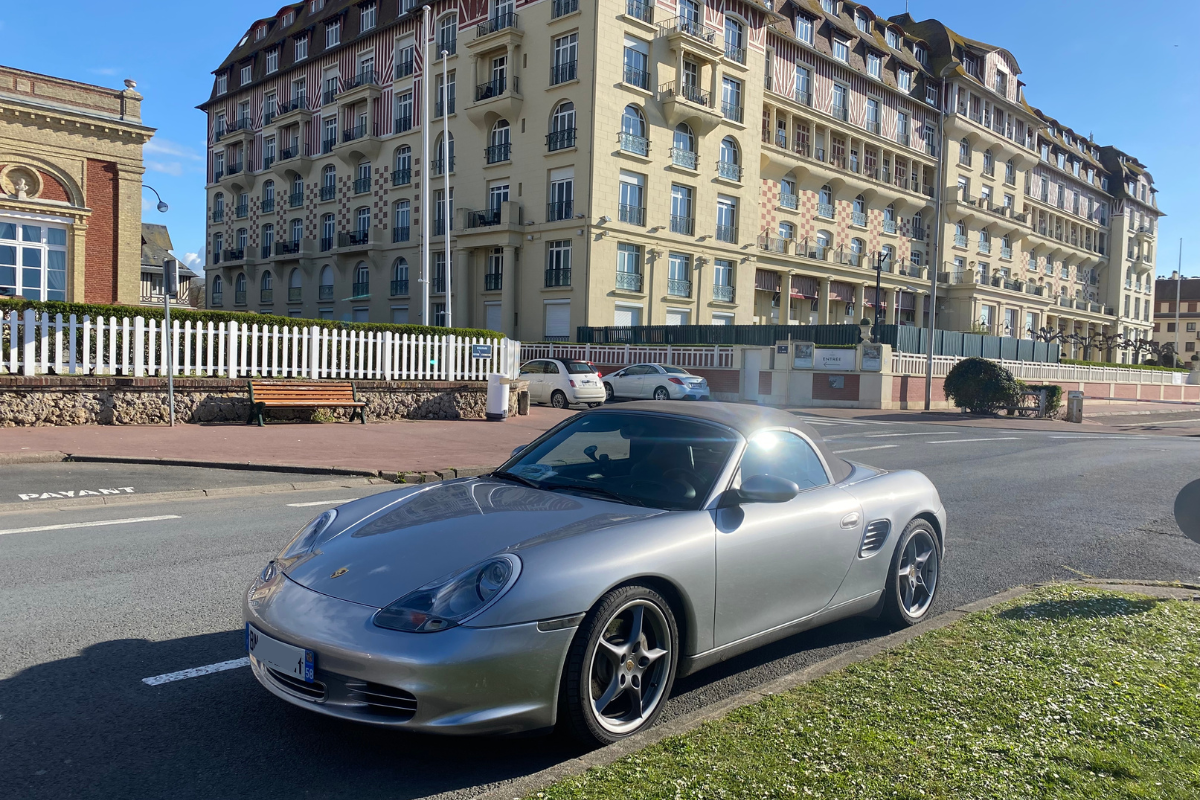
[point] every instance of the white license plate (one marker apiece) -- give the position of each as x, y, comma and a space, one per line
279, 656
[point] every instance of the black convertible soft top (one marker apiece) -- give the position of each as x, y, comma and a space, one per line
744, 418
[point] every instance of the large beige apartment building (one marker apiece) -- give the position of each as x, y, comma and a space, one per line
618, 162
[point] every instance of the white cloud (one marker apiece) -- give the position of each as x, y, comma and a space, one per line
174, 168
165, 147
109, 71
194, 260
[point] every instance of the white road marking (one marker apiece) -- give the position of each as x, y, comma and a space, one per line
863, 449
1188, 421
62, 494
97, 524
957, 441
921, 433
196, 672
321, 503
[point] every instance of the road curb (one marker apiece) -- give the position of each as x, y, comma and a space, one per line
531, 784
50, 457
299, 469
190, 494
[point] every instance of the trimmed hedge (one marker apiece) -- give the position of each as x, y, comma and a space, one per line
81, 310
1078, 363
981, 386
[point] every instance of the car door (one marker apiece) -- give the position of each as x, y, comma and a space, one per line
626, 382
532, 372
551, 378
780, 562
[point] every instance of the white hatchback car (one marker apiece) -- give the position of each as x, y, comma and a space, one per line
562, 382
655, 381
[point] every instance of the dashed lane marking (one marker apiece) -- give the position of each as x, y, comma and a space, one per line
921, 433
864, 449
322, 503
96, 524
961, 441
196, 672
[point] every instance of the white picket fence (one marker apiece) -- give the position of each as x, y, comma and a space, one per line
711, 357
35, 344
914, 364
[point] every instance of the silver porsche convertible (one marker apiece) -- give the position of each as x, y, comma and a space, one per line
625, 547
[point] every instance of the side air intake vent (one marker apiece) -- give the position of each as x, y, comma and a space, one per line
873, 537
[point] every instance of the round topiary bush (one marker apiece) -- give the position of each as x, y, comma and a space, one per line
982, 386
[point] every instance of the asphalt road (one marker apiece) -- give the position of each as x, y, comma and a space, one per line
86, 613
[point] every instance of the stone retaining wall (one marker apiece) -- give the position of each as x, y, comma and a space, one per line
58, 401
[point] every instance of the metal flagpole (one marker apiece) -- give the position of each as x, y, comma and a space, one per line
426, 205
169, 270
446, 182
936, 261
1178, 292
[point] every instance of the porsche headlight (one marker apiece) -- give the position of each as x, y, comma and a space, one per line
309, 536
448, 602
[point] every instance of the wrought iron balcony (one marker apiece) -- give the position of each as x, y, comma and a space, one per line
401, 177
239, 298
403, 123
737, 54
689, 27
561, 73
889, 226
328, 192
639, 11
296, 199
404, 68
731, 112
560, 8
858, 218
362, 185
493, 281
562, 209
241, 210
366, 77
325, 291
266, 296
327, 145
400, 234
840, 112
353, 134
723, 293
495, 23
727, 233
558, 277
449, 44
629, 281
804, 97
360, 289
495, 88
218, 215
497, 153
217, 300
439, 108
265, 250
636, 77
789, 201
218, 173
399, 288
638, 145
295, 294
683, 158
825, 210
328, 96
438, 165
560, 139
729, 170
634, 215
679, 288
234, 169
960, 240
326, 244
683, 225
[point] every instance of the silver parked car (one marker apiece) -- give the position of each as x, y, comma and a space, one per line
625, 547
657, 382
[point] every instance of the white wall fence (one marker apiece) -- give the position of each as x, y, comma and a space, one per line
37, 344
914, 364
701, 357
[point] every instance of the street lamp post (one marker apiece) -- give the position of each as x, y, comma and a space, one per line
936, 260
878, 276
170, 287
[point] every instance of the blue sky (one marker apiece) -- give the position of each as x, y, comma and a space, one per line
1122, 71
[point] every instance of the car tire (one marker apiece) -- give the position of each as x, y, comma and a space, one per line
609, 394
635, 675
661, 393
558, 399
914, 576
595, 405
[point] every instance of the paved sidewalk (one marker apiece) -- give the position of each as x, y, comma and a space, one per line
1171, 420
388, 447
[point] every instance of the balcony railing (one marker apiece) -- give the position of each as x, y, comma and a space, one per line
267, 162
449, 44
401, 177
325, 291
399, 288
825, 210
560, 8
217, 300
679, 288
496, 22
960, 240
218, 173
495, 88
688, 91
236, 254
918, 234
483, 219
561, 73
353, 134
241, 210
360, 289
403, 123
889, 226
684, 225
285, 248
737, 54
789, 201
218, 215
690, 27
640, 11
872, 125
731, 111
560, 139
858, 218
266, 296
297, 103
629, 281
558, 277
439, 226
438, 165
366, 77
326, 244
296, 199
265, 251
729, 171
328, 192
727, 233
493, 281
634, 215
562, 209
840, 112
362, 185
636, 77
234, 169
683, 158
295, 294
497, 153
804, 97
638, 145
327, 145
404, 68
1005, 252
354, 238
400, 233
985, 247
239, 298
723, 293
772, 244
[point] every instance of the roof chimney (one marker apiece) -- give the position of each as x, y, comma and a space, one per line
1174, 275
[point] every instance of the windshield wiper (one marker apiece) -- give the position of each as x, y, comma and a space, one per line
517, 478
620, 498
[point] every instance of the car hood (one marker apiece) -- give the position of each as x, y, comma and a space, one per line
396, 542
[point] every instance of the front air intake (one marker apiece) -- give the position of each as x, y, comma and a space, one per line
874, 537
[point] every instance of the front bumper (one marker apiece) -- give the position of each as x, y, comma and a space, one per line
462, 680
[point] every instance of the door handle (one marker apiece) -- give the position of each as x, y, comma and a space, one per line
851, 520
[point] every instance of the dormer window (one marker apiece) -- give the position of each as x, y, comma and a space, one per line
841, 49
367, 16
260, 33
1091, 175
246, 73
829, 6
969, 64
222, 82
862, 22
273, 60
904, 80
804, 29
1104, 184
1075, 168
287, 19
333, 33
893, 39
873, 65
301, 48
919, 54
1062, 160
1001, 83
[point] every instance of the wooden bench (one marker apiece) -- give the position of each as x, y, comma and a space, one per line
295, 394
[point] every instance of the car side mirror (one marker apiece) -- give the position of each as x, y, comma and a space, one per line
516, 450
767, 489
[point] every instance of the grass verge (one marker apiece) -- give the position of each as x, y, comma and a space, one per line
1066, 693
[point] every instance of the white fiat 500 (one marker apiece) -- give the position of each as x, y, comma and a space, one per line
562, 382
656, 382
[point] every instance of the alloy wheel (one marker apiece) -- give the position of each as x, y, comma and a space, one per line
629, 667
661, 394
918, 573
558, 400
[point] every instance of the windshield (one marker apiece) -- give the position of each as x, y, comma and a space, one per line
642, 459
580, 368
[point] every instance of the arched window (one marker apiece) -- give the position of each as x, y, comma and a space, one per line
268, 240
329, 176
916, 220
735, 40
964, 151
362, 280
960, 229
684, 140
328, 229
633, 131
400, 275
1006, 246
401, 221
729, 150
325, 287
857, 248
239, 284
297, 233
562, 127
268, 195
439, 165
265, 284
403, 166
985, 240
242, 237
889, 214
295, 279
825, 202
787, 230
824, 242
218, 288
499, 145
887, 254
989, 164
859, 216
1010, 172
219, 207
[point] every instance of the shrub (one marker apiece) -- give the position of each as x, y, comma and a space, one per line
1077, 363
1054, 395
184, 314
982, 386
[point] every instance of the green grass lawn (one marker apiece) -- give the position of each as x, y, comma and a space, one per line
1066, 693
